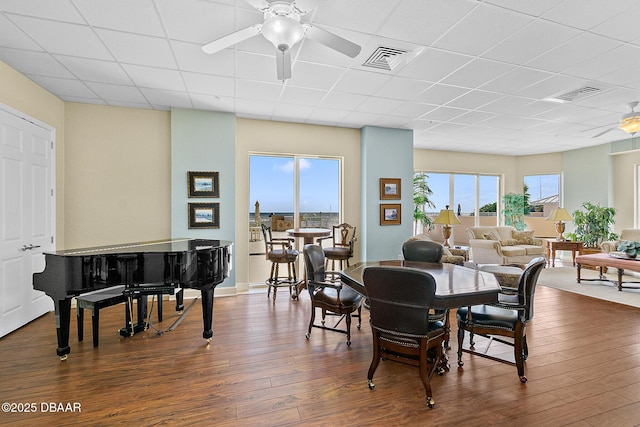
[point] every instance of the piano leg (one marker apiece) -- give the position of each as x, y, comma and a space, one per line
180, 300
207, 313
63, 320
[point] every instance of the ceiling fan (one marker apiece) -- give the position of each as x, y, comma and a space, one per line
282, 27
629, 123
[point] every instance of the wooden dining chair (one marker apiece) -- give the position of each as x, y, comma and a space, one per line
343, 240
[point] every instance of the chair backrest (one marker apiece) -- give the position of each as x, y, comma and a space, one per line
266, 233
344, 235
314, 262
527, 286
422, 250
400, 299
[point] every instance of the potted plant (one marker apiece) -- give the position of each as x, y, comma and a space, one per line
514, 210
630, 248
421, 194
593, 225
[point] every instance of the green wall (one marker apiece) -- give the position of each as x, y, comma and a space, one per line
385, 153
203, 141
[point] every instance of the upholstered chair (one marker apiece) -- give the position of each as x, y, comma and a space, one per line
328, 294
506, 318
402, 328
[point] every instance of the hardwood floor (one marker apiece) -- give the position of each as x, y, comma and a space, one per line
583, 370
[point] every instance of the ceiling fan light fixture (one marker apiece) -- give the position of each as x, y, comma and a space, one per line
283, 32
630, 123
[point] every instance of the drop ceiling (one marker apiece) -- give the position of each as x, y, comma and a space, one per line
479, 80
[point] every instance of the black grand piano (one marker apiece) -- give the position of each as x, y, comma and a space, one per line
146, 266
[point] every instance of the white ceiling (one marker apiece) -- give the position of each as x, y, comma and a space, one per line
478, 86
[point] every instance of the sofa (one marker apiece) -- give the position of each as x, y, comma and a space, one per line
630, 234
503, 245
447, 254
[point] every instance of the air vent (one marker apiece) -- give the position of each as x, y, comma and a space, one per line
386, 58
576, 94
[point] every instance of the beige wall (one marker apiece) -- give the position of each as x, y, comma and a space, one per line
264, 137
22, 94
625, 189
118, 175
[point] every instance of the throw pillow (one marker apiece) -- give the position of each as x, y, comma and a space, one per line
509, 242
491, 236
523, 237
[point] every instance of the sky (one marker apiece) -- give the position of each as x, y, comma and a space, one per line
271, 182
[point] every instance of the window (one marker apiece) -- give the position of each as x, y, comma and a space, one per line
472, 197
298, 192
542, 194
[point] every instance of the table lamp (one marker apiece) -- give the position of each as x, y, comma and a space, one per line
558, 215
446, 218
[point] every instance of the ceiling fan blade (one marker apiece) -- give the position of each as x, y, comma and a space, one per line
331, 40
305, 6
603, 132
231, 39
283, 59
261, 5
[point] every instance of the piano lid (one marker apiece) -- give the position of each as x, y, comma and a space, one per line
157, 246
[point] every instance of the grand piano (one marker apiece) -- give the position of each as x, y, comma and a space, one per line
142, 267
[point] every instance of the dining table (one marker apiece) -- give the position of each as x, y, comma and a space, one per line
308, 233
456, 286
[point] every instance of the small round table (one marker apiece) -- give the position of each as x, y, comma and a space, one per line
308, 234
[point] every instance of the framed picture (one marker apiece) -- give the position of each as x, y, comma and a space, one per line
203, 184
390, 214
389, 188
204, 215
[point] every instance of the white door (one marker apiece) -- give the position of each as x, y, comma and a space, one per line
27, 216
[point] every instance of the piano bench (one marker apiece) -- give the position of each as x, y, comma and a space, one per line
94, 301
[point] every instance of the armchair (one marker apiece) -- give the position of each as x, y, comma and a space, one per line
632, 234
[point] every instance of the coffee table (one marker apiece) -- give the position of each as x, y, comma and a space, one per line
614, 259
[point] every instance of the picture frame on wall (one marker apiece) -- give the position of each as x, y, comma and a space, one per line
204, 215
390, 213
203, 184
390, 188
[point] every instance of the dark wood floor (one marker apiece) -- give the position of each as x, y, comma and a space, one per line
583, 370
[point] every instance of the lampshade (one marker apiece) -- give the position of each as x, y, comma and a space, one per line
446, 217
630, 123
559, 214
282, 31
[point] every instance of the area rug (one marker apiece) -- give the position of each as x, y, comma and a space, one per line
564, 278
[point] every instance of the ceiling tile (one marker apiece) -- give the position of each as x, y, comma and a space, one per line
14, 37
29, 62
586, 14
94, 70
168, 98
63, 38
119, 93
361, 82
494, 24
140, 16
476, 73
138, 49
157, 78
64, 87
58, 10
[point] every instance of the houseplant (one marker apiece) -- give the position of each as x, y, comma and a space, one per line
421, 199
630, 248
514, 210
593, 225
